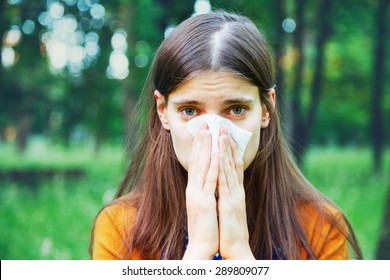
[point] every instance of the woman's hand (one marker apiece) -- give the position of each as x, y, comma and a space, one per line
233, 227
200, 199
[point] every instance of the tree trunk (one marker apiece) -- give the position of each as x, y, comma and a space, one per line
23, 130
297, 118
377, 129
280, 50
130, 129
3, 28
324, 16
280, 46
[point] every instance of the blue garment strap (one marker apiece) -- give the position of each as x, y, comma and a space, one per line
217, 257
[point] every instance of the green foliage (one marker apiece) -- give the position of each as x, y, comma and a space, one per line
89, 105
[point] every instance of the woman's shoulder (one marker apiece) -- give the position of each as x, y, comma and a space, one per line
124, 203
325, 228
319, 209
112, 227
119, 212
321, 217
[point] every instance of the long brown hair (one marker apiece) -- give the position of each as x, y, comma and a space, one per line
156, 181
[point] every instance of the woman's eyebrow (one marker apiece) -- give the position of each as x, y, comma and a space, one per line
238, 100
186, 102
225, 102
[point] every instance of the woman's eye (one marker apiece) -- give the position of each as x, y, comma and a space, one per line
237, 110
189, 111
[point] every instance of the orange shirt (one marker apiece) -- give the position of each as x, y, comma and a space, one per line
326, 241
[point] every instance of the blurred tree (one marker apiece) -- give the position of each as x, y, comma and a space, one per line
30, 70
3, 81
3, 28
296, 95
86, 101
304, 124
280, 46
379, 57
344, 112
70, 96
22, 90
377, 121
175, 11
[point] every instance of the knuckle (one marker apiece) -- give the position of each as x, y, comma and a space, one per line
240, 164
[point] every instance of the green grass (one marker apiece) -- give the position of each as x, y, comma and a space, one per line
346, 177
54, 220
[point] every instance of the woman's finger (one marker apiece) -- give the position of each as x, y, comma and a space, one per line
229, 165
238, 162
223, 189
199, 161
212, 175
229, 168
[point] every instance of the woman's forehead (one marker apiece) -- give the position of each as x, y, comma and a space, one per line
216, 84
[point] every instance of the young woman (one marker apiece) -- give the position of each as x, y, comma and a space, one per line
180, 199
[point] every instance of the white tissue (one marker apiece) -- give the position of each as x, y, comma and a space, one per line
215, 122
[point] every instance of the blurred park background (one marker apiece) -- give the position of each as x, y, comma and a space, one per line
71, 72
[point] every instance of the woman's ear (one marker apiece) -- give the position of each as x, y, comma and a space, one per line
266, 118
161, 107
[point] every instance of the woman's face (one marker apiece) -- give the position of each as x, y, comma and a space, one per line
212, 93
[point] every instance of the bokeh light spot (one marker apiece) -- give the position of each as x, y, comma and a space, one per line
13, 36
119, 66
119, 40
141, 60
56, 10
289, 25
97, 11
202, 6
8, 56
28, 27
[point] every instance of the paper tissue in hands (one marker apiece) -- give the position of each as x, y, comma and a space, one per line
215, 122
